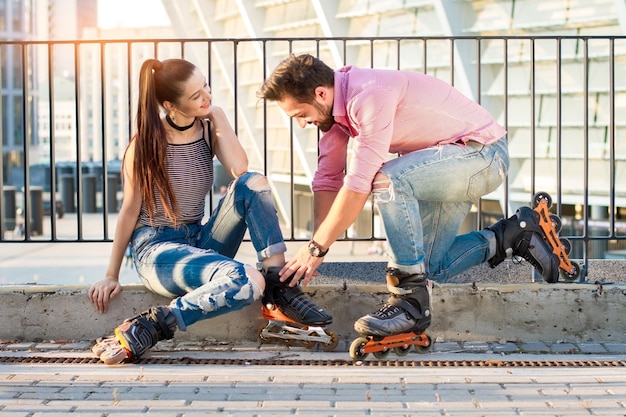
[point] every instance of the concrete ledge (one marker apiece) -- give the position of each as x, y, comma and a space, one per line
461, 312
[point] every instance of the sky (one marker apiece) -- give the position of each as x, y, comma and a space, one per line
131, 13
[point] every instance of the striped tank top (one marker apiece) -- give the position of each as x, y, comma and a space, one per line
190, 171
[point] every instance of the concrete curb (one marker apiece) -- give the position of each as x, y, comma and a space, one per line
461, 312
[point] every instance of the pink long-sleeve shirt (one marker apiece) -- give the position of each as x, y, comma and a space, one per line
393, 112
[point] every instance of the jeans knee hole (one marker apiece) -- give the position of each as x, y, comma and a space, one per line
258, 182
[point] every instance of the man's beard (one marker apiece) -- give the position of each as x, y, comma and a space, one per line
327, 112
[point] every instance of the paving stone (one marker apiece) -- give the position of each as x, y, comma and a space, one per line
615, 347
563, 348
508, 347
591, 348
534, 347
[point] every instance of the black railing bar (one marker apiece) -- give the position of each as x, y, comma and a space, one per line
533, 136
235, 89
129, 94
559, 130
479, 216
532, 128
3, 215
51, 143
611, 139
506, 120
26, 146
292, 186
79, 171
105, 168
371, 196
586, 233
209, 80
425, 56
264, 64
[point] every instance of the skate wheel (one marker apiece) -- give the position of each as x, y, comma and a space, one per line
334, 340
356, 349
570, 277
308, 344
102, 344
114, 356
556, 222
402, 351
566, 245
424, 349
542, 196
287, 342
263, 339
381, 354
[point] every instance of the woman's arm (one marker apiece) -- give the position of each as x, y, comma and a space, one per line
226, 145
102, 291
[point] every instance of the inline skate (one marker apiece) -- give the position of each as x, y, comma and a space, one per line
400, 323
292, 316
135, 336
551, 225
532, 233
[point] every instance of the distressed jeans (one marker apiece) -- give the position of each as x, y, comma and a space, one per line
194, 262
431, 192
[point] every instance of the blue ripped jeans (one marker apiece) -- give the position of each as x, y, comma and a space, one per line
195, 262
431, 192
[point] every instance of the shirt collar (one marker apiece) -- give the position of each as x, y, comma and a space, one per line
339, 101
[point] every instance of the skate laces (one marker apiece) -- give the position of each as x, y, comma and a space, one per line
295, 304
387, 311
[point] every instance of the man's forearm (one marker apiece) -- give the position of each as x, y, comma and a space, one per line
322, 202
339, 215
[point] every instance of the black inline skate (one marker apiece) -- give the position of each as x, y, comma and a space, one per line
136, 336
293, 316
533, 235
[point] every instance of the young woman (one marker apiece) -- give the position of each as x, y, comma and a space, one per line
167, 172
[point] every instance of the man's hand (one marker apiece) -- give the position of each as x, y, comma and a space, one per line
102, 292
302, 266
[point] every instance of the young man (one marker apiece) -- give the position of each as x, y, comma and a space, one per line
451, 152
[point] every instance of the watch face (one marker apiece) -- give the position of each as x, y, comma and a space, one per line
315, 250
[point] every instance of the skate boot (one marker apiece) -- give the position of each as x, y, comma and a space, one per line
400, 323
292, 316
136, 336
521, 235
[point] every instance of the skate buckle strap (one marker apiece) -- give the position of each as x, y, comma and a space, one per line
409, 307
401, 291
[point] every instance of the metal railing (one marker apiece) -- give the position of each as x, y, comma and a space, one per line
70, 105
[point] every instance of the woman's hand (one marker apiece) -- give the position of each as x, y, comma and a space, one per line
102, 292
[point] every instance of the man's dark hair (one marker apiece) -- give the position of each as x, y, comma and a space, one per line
298, 77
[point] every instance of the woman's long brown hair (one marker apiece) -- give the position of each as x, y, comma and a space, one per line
158, 82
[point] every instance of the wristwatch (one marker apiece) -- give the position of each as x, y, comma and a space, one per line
315, 250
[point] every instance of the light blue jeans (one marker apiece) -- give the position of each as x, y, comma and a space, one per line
195, 262
431, 192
